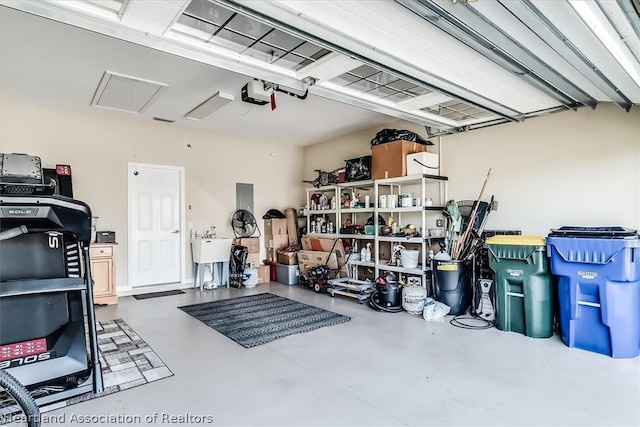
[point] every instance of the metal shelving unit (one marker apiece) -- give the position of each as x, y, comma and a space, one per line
424, 217
330, 191
359, 216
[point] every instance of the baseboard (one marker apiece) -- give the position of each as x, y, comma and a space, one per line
154, 288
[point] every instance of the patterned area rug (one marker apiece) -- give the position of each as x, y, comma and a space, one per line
126, 360
258, 319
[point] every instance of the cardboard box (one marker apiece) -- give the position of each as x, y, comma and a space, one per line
264, 273
277, 241
274, 227
252, 243
253, 258
326, 245
390, 160
430, 161
308, 259
288, 258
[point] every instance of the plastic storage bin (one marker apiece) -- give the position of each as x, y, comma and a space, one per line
598, 273
288, 274
523, 285
452, 280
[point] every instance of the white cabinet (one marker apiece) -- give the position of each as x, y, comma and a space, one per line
103, 273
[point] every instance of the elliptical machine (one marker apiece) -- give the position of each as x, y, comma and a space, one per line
46, 290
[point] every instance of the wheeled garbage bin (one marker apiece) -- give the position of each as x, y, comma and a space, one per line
598, 271
524, 286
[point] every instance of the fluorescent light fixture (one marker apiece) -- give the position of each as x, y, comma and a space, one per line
212, 104
602, 28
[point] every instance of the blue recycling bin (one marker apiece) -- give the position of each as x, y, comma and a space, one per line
598, 271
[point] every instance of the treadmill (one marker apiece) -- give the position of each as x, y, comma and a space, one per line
48, 337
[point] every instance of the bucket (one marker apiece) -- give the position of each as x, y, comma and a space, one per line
453, 284
413, 299
409, 258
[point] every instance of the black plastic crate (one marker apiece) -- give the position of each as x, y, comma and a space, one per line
105, 237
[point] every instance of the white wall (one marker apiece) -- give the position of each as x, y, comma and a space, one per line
571, 168
98, 145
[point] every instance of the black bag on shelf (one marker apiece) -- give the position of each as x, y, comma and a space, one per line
358, 169
389, 135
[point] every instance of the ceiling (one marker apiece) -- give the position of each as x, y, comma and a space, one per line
450, 65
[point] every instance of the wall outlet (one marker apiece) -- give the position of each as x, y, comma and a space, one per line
439, 222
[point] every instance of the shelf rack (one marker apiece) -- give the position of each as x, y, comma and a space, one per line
432, 186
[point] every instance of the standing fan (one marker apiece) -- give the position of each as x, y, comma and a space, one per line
244, 223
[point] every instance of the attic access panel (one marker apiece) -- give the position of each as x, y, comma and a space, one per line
125, 93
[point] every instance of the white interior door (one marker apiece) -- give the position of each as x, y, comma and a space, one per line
155, 224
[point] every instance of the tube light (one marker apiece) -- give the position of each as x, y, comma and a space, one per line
608, 36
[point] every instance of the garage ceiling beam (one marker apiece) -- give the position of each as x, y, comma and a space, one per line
596, 64
423, 101
153, 17
329, 67
331, 91
443, 85
463, 22
169, 43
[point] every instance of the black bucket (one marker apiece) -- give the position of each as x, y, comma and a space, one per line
452, 281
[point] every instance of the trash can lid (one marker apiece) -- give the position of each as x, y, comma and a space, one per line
616, 232
516, 240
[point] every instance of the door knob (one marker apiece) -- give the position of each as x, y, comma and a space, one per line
175, 232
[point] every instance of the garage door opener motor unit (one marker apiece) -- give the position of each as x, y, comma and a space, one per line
46, 297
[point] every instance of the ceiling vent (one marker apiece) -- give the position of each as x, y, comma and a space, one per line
125, 93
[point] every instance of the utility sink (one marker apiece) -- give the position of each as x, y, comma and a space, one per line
211, 250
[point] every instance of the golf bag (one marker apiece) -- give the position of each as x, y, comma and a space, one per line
236, 265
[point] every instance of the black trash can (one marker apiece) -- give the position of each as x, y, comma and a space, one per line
452, 280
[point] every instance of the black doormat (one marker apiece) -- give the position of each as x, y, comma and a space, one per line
158, 294
258, 319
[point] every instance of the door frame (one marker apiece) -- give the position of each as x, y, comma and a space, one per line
131, 167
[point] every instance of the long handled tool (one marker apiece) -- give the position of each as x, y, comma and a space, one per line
477, 240
463, 239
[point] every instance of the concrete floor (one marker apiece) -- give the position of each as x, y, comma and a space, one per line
379, 369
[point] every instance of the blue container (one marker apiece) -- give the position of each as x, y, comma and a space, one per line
598, 288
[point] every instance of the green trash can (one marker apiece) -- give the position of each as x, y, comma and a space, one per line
523, 284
